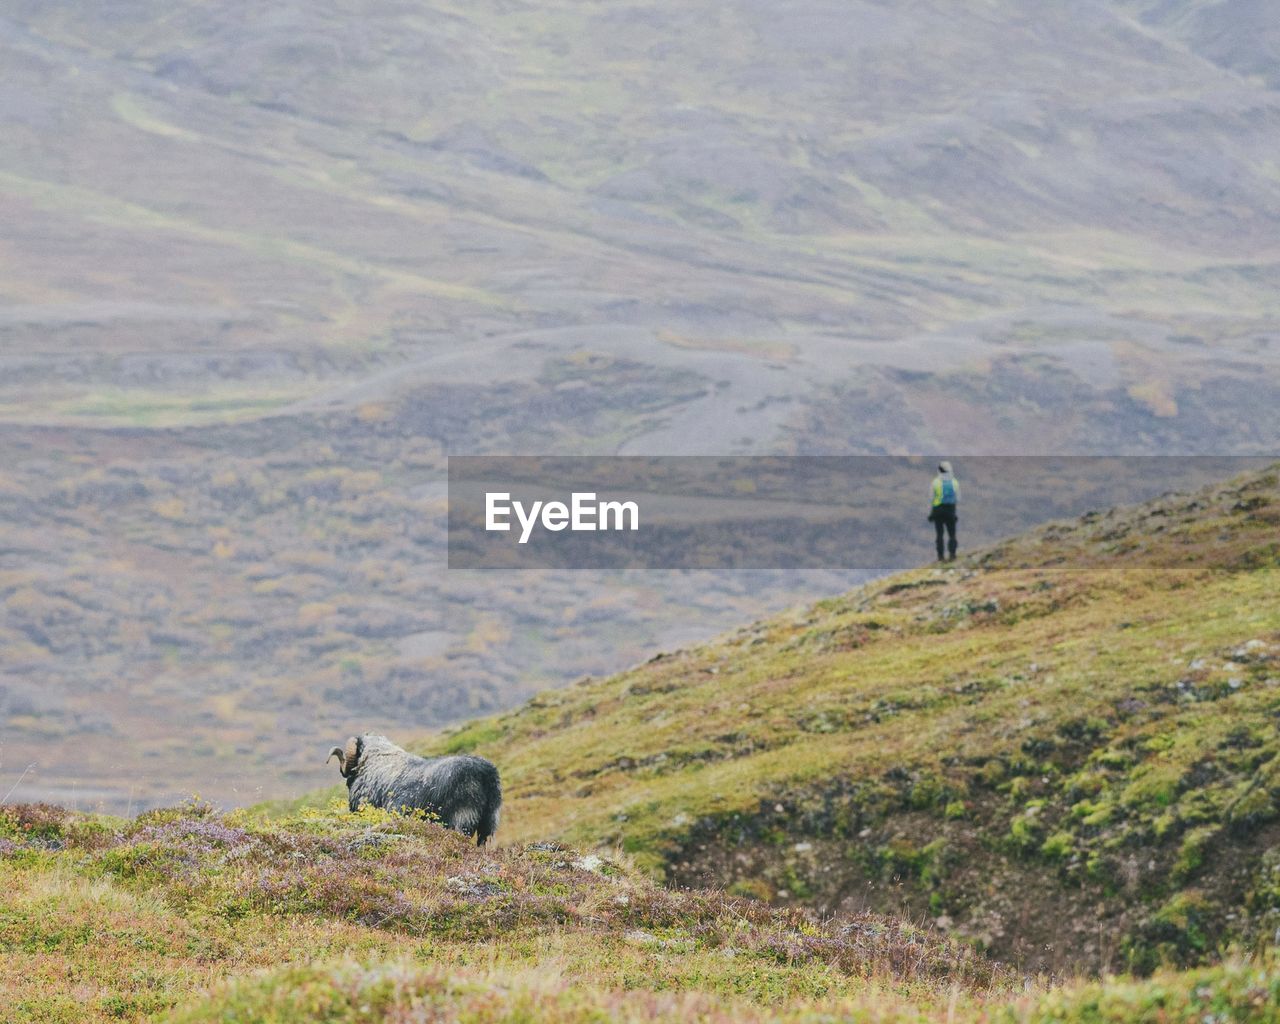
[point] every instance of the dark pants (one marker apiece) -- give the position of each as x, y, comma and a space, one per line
944, 518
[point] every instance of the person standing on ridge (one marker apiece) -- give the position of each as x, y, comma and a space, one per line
946, 496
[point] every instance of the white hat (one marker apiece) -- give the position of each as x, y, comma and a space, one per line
944, 467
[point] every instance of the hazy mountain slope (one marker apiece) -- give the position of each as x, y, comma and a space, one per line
254, 255
1063, 747
1240, 35
201, 611
337, 187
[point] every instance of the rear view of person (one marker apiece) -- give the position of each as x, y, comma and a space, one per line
946, 496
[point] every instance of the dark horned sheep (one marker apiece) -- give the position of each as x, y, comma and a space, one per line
463, 791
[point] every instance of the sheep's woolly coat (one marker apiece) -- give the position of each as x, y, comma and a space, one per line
463, 791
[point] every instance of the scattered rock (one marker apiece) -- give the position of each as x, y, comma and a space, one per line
371, 840
471, 887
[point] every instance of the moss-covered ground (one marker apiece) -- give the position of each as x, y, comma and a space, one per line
1064, 747
193, 916
941, 797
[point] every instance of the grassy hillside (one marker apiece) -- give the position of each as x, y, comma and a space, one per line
191, 916
125, 917
1064, 747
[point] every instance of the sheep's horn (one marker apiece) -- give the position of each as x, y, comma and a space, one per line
351, 756
342, 759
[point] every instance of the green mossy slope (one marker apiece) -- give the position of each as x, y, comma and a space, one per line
1064, 747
